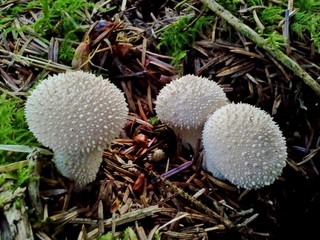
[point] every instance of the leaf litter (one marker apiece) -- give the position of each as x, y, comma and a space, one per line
148, 181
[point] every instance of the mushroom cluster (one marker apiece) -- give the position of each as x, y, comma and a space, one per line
76, 114
185, 103
244, 145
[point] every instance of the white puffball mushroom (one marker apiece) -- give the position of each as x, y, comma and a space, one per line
76, 114
244, 145
186, 103
81, 167
76, 111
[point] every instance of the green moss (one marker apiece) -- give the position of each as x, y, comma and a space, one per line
230, 5
254, 2
17, 178
274, 39
178, 37
24, 176
307, 24
307, 5
13, 128
272, 15
9, 14
128, 234
154, 120
65, 19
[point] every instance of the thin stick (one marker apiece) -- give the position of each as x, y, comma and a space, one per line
197, 203
275, 52
124, 218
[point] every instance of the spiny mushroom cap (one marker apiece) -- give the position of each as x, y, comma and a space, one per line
76, 111
243, 144
80, 167
188, 101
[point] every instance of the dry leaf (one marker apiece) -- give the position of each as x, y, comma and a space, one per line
276, 104
115, 205
81, 57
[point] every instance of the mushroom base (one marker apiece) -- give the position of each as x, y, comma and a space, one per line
189, 137
81, 167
